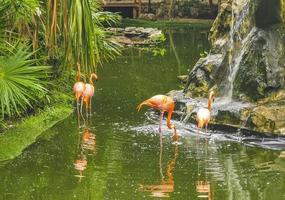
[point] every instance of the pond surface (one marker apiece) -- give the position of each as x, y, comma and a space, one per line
119, 154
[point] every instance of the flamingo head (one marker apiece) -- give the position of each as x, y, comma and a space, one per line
212, 96
93, 76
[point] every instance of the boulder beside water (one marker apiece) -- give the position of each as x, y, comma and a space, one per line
246, 65
136, 36
267, 117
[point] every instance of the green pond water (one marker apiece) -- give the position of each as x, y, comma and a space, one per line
119, 154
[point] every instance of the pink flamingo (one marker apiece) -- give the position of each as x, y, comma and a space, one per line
88, 93
163, 104
78, 87
204, 114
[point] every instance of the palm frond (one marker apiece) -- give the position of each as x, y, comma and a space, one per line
21, 81
106, 18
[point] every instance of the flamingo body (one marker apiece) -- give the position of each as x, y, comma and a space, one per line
162, 103
203, 117
89, 90
204, 114
78, 89
88, 93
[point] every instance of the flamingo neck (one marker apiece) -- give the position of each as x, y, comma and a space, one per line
78, 75
169, 118
93, 76
209, 104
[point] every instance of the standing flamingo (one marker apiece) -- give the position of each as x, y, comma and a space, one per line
88, 92
78, 87
204, 114
163, 104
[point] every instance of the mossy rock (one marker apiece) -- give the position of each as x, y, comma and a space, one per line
268, 119
222, 23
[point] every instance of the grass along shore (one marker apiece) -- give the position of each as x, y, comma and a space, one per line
25, 132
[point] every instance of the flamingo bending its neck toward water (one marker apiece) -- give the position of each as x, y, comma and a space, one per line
78, 87
163, 104
204, 114
88, 93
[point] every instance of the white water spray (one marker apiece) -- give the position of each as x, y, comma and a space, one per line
240, 11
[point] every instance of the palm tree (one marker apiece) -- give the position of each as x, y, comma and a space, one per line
70, 30
21, 80
84, 38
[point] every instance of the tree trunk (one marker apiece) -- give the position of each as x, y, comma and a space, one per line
149, 6
170, 11
211, 3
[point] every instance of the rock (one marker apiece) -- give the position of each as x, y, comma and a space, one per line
131, 34
269, 118
183, 78
147, 16
139, 29
226, 7
155, 35
130, 29
200, 77
149, 30
222, 23
256, 53
138, 36
247, 55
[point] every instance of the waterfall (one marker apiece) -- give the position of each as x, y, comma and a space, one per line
237, 43
235, 64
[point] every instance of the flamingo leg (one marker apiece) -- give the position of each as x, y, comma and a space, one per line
81, 108
90, 106
77, 97
160, 121
87, 102
81, 105
77, 108
197, 134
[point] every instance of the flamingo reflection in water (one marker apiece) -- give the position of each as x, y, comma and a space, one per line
165, 187
88, 140
80, 165
87, 145
203, 186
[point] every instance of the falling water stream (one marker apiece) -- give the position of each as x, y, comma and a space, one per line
119, 155
237, 43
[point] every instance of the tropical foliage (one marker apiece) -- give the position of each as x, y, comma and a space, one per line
84, 37
63, 32
21, 80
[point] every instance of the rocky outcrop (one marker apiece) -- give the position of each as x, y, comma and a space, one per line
245, 67
250, 53
136, 36
261, 117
